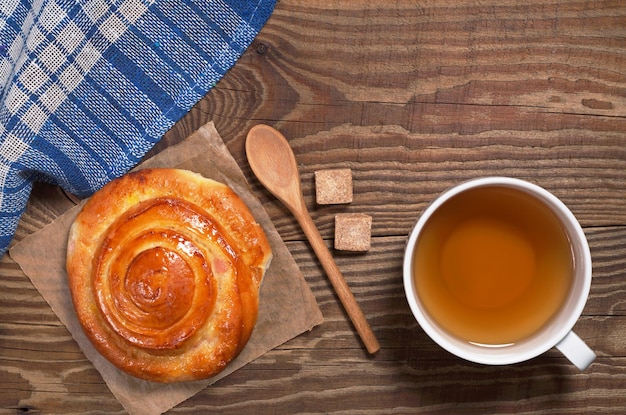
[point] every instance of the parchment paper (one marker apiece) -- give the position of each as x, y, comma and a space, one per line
287, 306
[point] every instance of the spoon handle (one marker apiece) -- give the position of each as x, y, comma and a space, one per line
338, 282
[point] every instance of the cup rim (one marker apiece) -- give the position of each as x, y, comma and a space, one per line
550, 335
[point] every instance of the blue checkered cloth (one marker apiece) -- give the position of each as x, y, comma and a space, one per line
87, 87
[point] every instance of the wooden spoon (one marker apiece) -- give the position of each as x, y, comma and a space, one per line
274, 164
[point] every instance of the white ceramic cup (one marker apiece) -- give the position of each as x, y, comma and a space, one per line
557, 332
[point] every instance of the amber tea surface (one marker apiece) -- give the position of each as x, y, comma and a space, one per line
492, 266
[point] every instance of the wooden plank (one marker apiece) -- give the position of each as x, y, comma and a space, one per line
429, 67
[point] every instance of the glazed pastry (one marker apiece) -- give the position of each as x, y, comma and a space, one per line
164, 268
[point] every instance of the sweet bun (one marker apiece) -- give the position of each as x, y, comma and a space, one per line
164, 268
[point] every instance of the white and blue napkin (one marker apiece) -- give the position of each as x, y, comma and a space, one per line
87, 87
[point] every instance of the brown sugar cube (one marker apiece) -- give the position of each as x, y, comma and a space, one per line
333, 186
353, 232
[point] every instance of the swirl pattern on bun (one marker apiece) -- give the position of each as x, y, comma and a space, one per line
164, 268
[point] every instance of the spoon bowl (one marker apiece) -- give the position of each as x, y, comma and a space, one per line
274, 164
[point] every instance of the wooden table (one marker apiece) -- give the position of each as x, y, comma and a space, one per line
413, 96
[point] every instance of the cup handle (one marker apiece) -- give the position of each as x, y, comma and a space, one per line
576, 350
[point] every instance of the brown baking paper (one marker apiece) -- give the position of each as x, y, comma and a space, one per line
287, 306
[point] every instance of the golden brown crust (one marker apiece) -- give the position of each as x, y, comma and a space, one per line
164, 267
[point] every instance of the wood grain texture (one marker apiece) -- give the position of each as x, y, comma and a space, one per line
326, 370
413, 96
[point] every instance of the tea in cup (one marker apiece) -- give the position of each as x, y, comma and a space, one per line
497, 271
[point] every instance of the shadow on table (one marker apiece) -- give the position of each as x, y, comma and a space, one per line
430, 377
